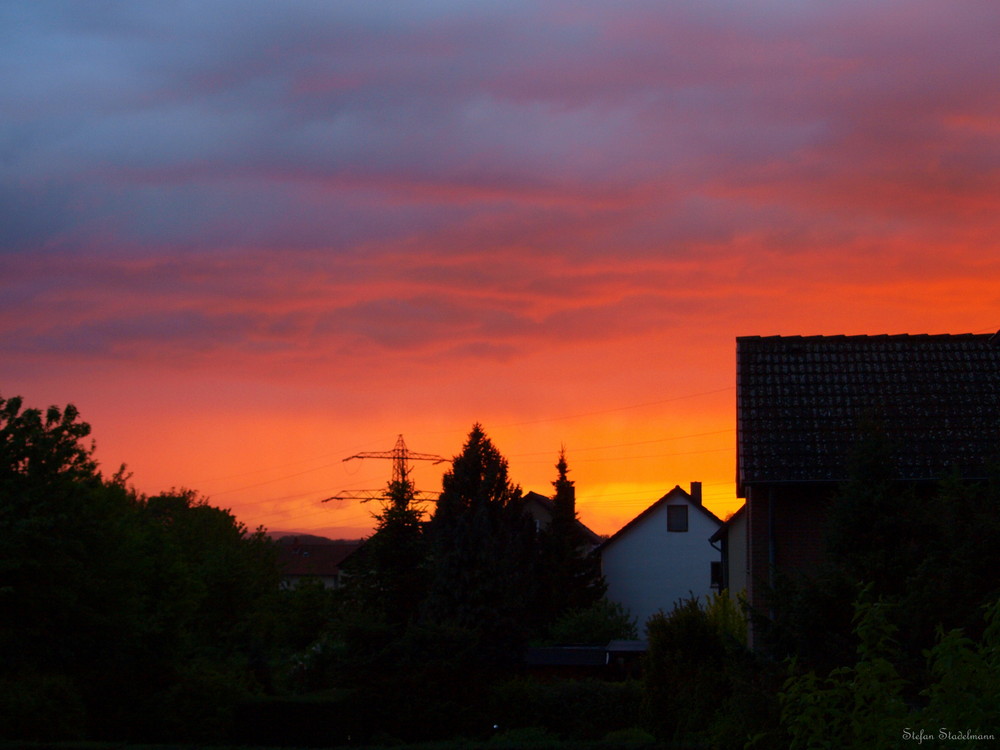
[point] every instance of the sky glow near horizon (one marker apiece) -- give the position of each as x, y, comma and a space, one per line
250, 239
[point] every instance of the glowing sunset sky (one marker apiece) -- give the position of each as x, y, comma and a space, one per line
249, 239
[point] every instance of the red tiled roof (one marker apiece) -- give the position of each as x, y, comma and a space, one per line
311, 559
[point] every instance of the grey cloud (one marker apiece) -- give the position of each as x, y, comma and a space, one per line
360, 125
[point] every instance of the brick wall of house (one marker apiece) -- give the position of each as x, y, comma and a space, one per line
798, 519
758, 563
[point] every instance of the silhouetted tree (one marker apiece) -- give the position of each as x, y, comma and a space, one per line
225, 578
482, 547
569, 576
389, 573
60, 530
118, 616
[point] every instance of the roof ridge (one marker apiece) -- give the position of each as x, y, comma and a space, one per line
841, 336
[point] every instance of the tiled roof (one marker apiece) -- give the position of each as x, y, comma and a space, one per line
802, 403
321, 560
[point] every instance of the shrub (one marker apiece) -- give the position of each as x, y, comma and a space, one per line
571, 709
728, 617
602, 622
964, 694
534, 737
853, 707
40, 707
304, 721
201, 703
684, 671
631, 737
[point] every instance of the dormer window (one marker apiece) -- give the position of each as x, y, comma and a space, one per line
677, 518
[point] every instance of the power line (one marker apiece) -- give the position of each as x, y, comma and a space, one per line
629, 445
272, 481
516, 424
620, 408
640, 458
327, 454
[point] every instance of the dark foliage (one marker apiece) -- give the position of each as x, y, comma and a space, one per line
568, 576
684, 674
809, 617
306, 612
120, 615
482, 553
929, 549
389, 573
597, 625
568, 709
702, 685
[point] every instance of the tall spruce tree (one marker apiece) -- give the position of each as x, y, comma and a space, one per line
482, 552
389, 573
569, 576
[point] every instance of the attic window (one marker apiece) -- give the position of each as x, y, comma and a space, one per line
677, 518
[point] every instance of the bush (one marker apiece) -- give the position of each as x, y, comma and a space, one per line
596, 625
750, 714
419, 684
701, 682
201, 703
684, 671
631, 737
39, 707
863, 706
728, 618
306, 721
533, 737
570, 709
965, 687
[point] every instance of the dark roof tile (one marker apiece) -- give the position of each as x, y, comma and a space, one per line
803, 401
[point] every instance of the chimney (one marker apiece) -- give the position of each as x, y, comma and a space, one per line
696, 492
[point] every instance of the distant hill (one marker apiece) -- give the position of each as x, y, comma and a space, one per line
293, 537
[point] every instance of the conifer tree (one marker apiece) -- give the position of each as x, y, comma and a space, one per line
482, 548
389, 573
569, 576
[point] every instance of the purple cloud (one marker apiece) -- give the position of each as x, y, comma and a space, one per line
469, 178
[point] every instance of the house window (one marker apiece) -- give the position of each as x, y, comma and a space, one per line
717, 582
677, 518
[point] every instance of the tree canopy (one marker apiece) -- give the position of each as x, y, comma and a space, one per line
569, 575
122, 604
389, 573
482, 551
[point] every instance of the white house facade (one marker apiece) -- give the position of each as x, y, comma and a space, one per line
663, 555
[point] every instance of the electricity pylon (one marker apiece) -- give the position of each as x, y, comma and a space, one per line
401, 457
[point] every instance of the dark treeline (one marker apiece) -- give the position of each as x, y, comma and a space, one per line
440, 606
126, 617
123, 616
